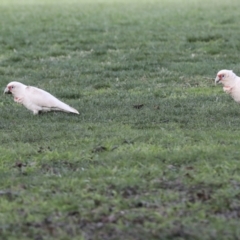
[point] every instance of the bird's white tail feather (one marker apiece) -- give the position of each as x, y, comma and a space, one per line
66, 108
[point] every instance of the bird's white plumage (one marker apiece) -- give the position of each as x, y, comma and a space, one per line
36, 99
231, 83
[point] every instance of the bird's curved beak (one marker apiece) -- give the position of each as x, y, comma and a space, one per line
217, 80
7, 91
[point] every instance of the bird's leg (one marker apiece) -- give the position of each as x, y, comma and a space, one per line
227, 89
35, 112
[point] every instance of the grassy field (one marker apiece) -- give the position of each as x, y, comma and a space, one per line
155, 151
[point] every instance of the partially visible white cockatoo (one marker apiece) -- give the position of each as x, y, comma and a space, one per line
231, 83
36, 99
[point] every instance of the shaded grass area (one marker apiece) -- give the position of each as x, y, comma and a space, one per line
154, 153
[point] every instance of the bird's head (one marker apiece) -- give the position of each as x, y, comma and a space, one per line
13, 87
226, 77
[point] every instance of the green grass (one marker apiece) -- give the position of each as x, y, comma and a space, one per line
154, 153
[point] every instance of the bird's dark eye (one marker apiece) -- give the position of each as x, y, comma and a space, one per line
12, 87
223, 75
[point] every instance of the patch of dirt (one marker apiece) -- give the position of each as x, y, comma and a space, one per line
99, 149
138, 106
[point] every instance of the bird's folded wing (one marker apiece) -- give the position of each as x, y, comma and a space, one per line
44, 99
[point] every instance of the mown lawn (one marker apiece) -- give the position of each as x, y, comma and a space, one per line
155, 151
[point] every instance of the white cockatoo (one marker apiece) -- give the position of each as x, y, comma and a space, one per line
36, 99
231, 83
